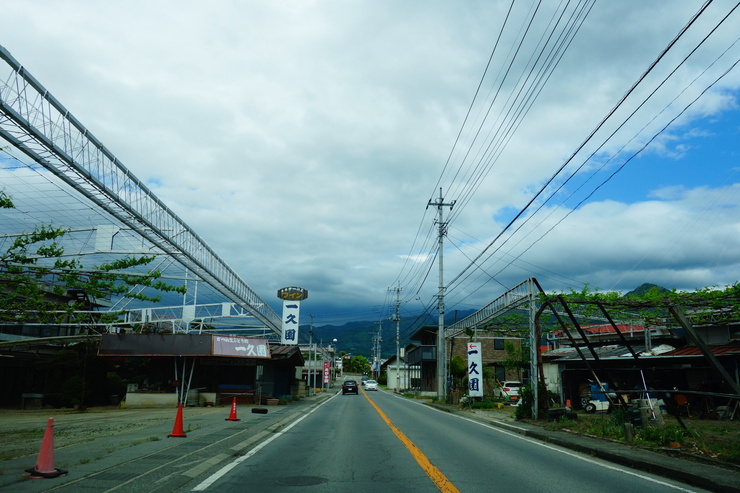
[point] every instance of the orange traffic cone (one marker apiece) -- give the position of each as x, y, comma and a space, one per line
232, 415
45, 463
177, 431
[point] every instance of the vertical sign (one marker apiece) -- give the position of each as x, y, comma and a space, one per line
291, 314
327, 371
291, 297
475, 370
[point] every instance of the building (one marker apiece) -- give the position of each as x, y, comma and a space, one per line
423, 357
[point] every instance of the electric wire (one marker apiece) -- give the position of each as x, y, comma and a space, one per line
583, 144
651, 140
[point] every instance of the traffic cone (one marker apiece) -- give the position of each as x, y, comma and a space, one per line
232, 414
177, 431
45, 463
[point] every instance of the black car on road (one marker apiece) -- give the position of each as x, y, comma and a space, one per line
350, 387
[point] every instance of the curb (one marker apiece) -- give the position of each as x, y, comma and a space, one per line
720, 478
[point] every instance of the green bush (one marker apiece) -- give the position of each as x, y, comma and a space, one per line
526, 397
486, 403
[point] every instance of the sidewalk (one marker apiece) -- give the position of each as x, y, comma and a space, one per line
724, 478
107, 449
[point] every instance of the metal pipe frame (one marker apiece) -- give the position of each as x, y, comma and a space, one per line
38, 125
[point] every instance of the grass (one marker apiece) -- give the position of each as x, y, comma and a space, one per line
703, 437
710, 438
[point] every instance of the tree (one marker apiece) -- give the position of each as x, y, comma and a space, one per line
515, 357
36, 280
357, 364
458, 371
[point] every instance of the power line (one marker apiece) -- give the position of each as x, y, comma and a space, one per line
583, 144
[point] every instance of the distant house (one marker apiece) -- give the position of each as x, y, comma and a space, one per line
398, 373
493, 356
421, 359
424, 357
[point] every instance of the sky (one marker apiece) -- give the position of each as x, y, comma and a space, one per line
307, 141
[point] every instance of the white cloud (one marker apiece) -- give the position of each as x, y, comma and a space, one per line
302, 140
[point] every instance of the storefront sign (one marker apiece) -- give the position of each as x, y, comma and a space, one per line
240, 346
475, 370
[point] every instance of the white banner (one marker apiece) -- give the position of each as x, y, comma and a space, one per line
475, 370
291, 313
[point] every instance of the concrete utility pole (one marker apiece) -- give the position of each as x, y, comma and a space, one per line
441, 349
376, 350
312, 360
397, 318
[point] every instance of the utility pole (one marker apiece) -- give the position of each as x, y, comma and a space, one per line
397, 318
441, 349
312, 360
376, 349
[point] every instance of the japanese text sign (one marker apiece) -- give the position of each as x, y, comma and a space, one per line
291, 313
475, 369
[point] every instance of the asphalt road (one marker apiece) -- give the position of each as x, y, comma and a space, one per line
372, 442
347, 445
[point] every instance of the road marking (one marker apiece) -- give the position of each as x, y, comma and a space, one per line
228, 467
439, 479
203, 466
576, 455
249, 441
497, 428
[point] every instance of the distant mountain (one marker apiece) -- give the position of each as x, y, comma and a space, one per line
357, 337
644, 288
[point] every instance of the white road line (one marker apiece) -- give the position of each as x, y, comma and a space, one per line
228, 467
576, 455
552, 447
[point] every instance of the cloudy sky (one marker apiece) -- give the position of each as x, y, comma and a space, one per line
304, 140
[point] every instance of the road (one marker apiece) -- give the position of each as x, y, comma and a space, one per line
377, 441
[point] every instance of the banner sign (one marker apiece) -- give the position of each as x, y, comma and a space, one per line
475, 370
327, 371
240, 346
291, 314
183, 345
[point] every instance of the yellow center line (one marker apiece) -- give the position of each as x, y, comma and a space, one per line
434, 474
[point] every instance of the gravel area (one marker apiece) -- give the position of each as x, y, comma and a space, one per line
21, 432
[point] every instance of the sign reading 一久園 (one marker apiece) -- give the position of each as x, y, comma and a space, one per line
241, 346
475, 369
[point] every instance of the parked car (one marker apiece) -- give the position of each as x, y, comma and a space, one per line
371, 385
508, 391
350, 387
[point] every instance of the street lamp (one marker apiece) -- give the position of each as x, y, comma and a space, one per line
336, 353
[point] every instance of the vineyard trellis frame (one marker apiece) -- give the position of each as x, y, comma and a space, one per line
706, 307
720, 311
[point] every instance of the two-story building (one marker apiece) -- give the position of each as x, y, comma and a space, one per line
422, 356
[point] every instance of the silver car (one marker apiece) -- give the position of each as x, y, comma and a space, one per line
371, 385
